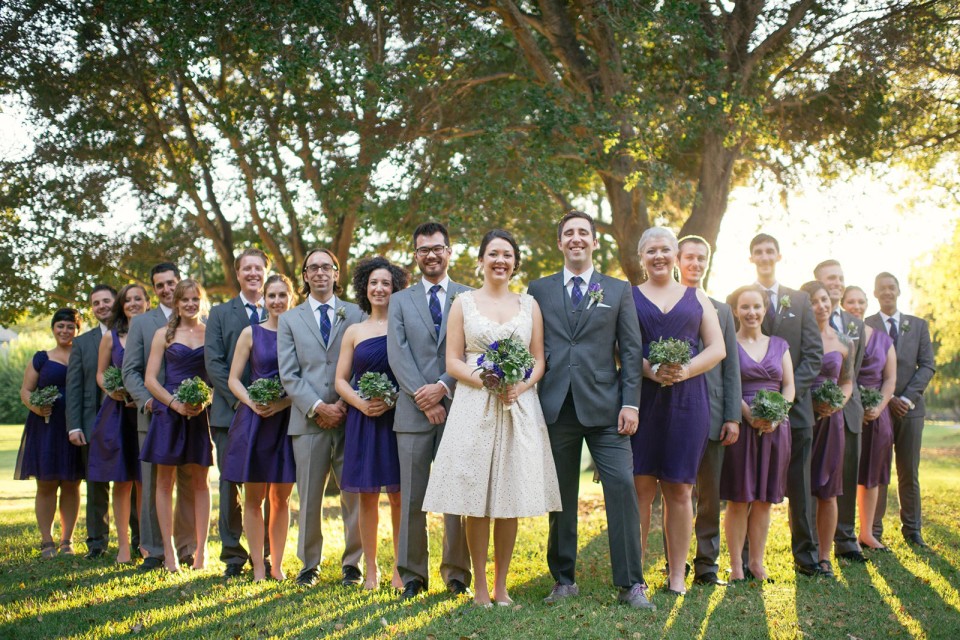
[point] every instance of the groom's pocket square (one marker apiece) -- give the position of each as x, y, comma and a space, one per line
602, 306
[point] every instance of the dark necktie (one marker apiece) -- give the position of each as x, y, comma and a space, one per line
894, 334
835, 321
325, 323
435, 311
773, 300
576, 295
254, 316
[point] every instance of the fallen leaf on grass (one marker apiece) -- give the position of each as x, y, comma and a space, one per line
383, 621
138, 627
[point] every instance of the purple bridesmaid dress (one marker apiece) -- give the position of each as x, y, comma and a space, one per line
826, 459
755, 466
877, 445
674, 420
259, 449
114, 447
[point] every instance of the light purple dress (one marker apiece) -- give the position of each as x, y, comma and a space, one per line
877, 444
114, 446
826, 459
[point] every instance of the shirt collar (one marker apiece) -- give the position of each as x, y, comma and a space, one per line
586, 275
315, 304
444, 285
895, 316
258, 304
165, 310
775, 287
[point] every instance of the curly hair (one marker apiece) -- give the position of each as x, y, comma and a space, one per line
182, 287
118, 320
361, 277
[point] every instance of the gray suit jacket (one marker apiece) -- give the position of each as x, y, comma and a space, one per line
224, 325
915, 364
853, 410
582, 346
307, 366
83, 396
723, 381
135, 354
796, 325
417, 354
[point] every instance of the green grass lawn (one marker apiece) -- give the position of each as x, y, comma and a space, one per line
904, 594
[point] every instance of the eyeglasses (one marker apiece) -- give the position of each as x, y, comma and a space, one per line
437, 249
311, 269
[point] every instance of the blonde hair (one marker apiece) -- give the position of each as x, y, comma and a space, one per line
654, 233
182, 287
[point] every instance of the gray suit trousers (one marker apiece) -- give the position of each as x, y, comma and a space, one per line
802, 540
317, 454
416, 451
97, 510
907, 437
707, 502
184, 518
845, 539
230, 517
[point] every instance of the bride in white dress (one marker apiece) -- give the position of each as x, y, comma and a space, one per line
493, 462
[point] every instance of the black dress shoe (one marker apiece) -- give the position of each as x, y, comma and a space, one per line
186, 561
93, 554
709, 578
412, 589
458, 588
150, 564
916, 540
308, 577
267, 566
233, 570
808, 569
351, 576
853, 556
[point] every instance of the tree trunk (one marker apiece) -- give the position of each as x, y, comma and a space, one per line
630, 219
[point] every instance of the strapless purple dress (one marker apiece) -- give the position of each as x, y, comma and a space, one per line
114, 448
674, 420
172, 438
826, 459
259, 449
755, 466
370, 460
876, 453
45, 449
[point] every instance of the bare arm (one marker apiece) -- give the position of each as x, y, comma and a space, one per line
31, 377
456, 349
787, 387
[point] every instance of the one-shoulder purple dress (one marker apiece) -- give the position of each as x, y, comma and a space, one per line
45, 449
259, 449
877, 445
826, 458
755, 466
370, 460
114, 448
172, 439
674, 420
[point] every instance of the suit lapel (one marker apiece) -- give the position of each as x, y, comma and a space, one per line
240, 310
337, 325
453, 289
778, 317
310, 319
420, 302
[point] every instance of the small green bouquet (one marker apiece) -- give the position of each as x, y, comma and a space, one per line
377, 386
770, 406
45, 397
871, 398
265, 390
829, 393
669, 351
505, 362
113, 379
194, 391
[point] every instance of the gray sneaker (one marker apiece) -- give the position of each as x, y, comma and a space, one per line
636, 597
561, 591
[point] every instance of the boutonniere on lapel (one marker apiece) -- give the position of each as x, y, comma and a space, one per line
852, 331
453, 296
341, 313
785, 302
905, 325
595, 293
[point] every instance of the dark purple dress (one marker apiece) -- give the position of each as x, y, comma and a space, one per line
114, 447
755, 466
172, 438
259, 449
674, 420
370, 460
826, 459
877, 446
45, 449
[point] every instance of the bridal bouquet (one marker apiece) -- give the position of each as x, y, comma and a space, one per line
829, 393
505, 362
113, 379
194, 391
265, 390
45, 397
871, 397
377, 386
770, 406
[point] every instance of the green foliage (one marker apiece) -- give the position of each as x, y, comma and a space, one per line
770, 405
15, 357
829, 393
265, 390
194, 391
505, 362
669, 351
377, 386
871, 398
112, 379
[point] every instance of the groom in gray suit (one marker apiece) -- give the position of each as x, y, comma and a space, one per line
915, 368
164, 277
308, 347
416, 347
588, 320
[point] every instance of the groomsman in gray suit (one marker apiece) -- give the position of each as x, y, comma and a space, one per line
83, 401
308, 346
915, 368
164, 277
845, 544
416, 347
224, 325
723, 384
590, 319
790, 316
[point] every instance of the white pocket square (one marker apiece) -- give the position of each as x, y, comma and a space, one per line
603, 306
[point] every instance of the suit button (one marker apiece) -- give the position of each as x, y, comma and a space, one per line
573, 344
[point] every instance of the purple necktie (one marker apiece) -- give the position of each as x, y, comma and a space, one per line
576, 295
435, 311
325, 323
894, 334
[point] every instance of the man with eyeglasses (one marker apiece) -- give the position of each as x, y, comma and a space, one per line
308, 347
416, 347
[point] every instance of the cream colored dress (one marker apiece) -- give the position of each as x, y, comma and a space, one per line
491, 462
